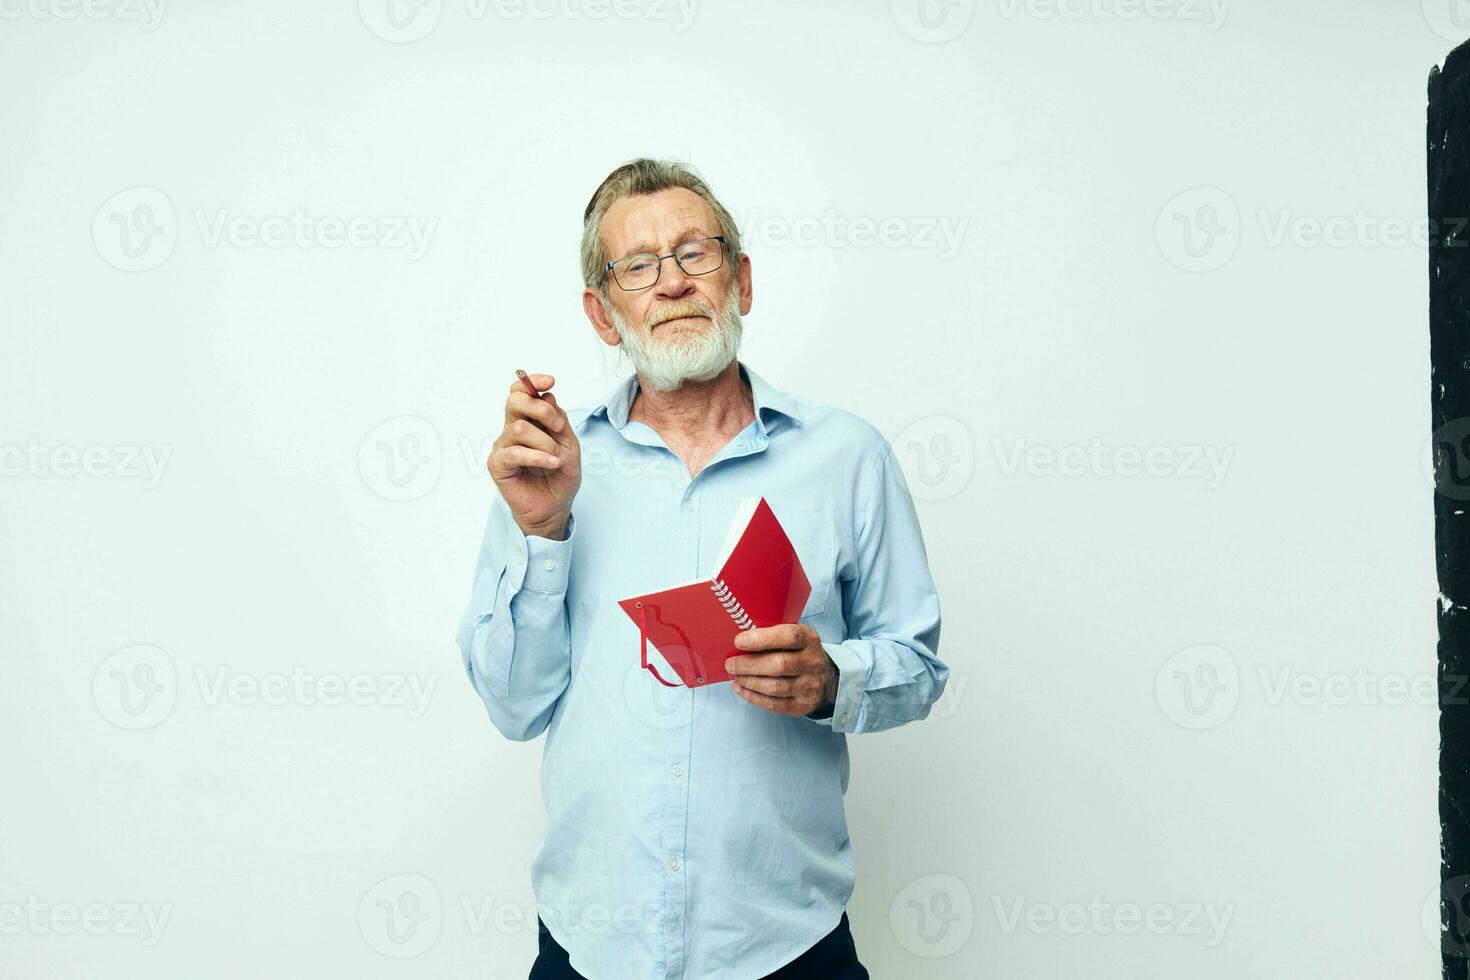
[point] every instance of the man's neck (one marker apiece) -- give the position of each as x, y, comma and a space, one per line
697, 410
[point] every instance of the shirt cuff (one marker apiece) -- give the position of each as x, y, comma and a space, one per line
548, 562
852, 682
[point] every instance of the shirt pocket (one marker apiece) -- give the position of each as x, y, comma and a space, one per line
814, 536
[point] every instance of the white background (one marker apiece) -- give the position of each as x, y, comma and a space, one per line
1116, 734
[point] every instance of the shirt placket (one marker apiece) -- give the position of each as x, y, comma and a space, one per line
675, 779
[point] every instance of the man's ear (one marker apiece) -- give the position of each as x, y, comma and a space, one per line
592, 305
742, 279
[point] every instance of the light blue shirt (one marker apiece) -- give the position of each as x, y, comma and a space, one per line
692, 834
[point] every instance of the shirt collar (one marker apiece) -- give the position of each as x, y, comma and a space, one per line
770, 403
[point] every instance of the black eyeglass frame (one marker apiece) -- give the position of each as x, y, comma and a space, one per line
660, 258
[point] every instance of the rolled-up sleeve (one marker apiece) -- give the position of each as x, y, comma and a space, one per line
514, 637
889, 672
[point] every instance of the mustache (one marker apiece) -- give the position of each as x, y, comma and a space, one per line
676, 310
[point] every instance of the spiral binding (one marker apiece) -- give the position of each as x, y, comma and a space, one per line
732, 606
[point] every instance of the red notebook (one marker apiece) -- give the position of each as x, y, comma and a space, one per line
758, 582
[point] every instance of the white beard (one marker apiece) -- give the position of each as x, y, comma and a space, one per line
665, 364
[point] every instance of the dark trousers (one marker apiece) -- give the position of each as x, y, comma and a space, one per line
834, 957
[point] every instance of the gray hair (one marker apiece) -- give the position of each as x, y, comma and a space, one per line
633, 179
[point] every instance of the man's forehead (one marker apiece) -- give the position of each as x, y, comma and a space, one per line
649, 218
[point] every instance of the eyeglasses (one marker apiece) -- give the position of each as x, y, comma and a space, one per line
642, 269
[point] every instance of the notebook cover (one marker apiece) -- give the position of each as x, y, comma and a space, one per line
764, 572
690, 627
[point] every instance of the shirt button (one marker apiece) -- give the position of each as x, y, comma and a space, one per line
509, 630
689, 506
520, 557
842, 718
673, 864
550, 565
678, 770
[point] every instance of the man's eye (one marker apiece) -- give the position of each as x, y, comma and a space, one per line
640, 264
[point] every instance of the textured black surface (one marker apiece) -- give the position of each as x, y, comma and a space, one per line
1449, 339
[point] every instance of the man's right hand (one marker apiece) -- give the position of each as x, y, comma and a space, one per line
537, 460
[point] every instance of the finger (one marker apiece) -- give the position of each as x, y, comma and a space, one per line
763, 665
786, 636
564, 422
783, 706
775, 687
524, 433
544, 411
510, 459
541, 381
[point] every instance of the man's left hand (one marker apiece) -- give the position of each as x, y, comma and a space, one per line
785, 671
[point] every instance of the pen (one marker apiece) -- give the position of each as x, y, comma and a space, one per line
526, 380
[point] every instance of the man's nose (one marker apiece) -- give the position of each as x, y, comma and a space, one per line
673, 282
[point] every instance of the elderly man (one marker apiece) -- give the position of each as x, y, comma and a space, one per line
691, 832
